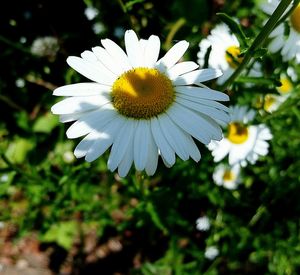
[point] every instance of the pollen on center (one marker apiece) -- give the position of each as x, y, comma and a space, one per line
237, 133
142, 93
232, 56
295, 18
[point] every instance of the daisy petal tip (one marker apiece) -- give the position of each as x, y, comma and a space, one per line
218, 72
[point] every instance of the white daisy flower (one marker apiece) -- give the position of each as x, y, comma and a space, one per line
227, 176
273, 101
225, 49
91, 12
203, 223
45, 47
140, 106
287, 43
211, 252
243, 143
224, 55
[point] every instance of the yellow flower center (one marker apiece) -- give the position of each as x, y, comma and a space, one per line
268, 102
237, 133
295, 18
142, 93
232, 56
286, 85
228, 176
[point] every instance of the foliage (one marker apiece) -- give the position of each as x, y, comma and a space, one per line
43, 188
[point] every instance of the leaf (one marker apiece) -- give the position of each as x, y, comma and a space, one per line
62, 233
18, 149
45, 124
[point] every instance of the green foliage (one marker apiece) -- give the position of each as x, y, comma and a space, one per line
44, 189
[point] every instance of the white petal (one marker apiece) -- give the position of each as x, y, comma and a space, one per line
174, 135
127, 160
105, 140
182, 68
141, 144
107, 60
204, 102
123, 138
219, 149
93, 121
79, 104
152, 49
72, 117
197, 77
204, 93
81, 89
172, 56
195, 124
192, 148
152, 160
89, 70
206, 110
162, 143
133, 49
85, 144
89, 56
117, 54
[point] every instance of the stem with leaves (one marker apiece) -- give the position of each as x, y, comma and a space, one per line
259, 40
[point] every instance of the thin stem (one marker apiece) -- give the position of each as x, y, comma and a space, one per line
287, 14
14, 44
123, 7
258, 41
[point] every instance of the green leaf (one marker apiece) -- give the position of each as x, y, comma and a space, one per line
62, 233
18, 149
236, 29
45, 124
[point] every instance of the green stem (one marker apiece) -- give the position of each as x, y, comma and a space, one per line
258, 41
123, 7
287, 14
14, 44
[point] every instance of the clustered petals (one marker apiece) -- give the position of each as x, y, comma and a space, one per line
192, 110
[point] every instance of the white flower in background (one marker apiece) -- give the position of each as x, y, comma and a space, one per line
227, 176
98, 28
203, 223
287, 42
273, 101
45, 46
243, 142
211, 252
224, 55
4, 178
140, 106
20, 83
68, 157
91, 12
119, 32
225, 49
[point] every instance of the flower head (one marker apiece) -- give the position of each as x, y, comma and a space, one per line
288, 43
45, 47
140, 106
203, 223
211, 252
227, 176
243, 142
225, 53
